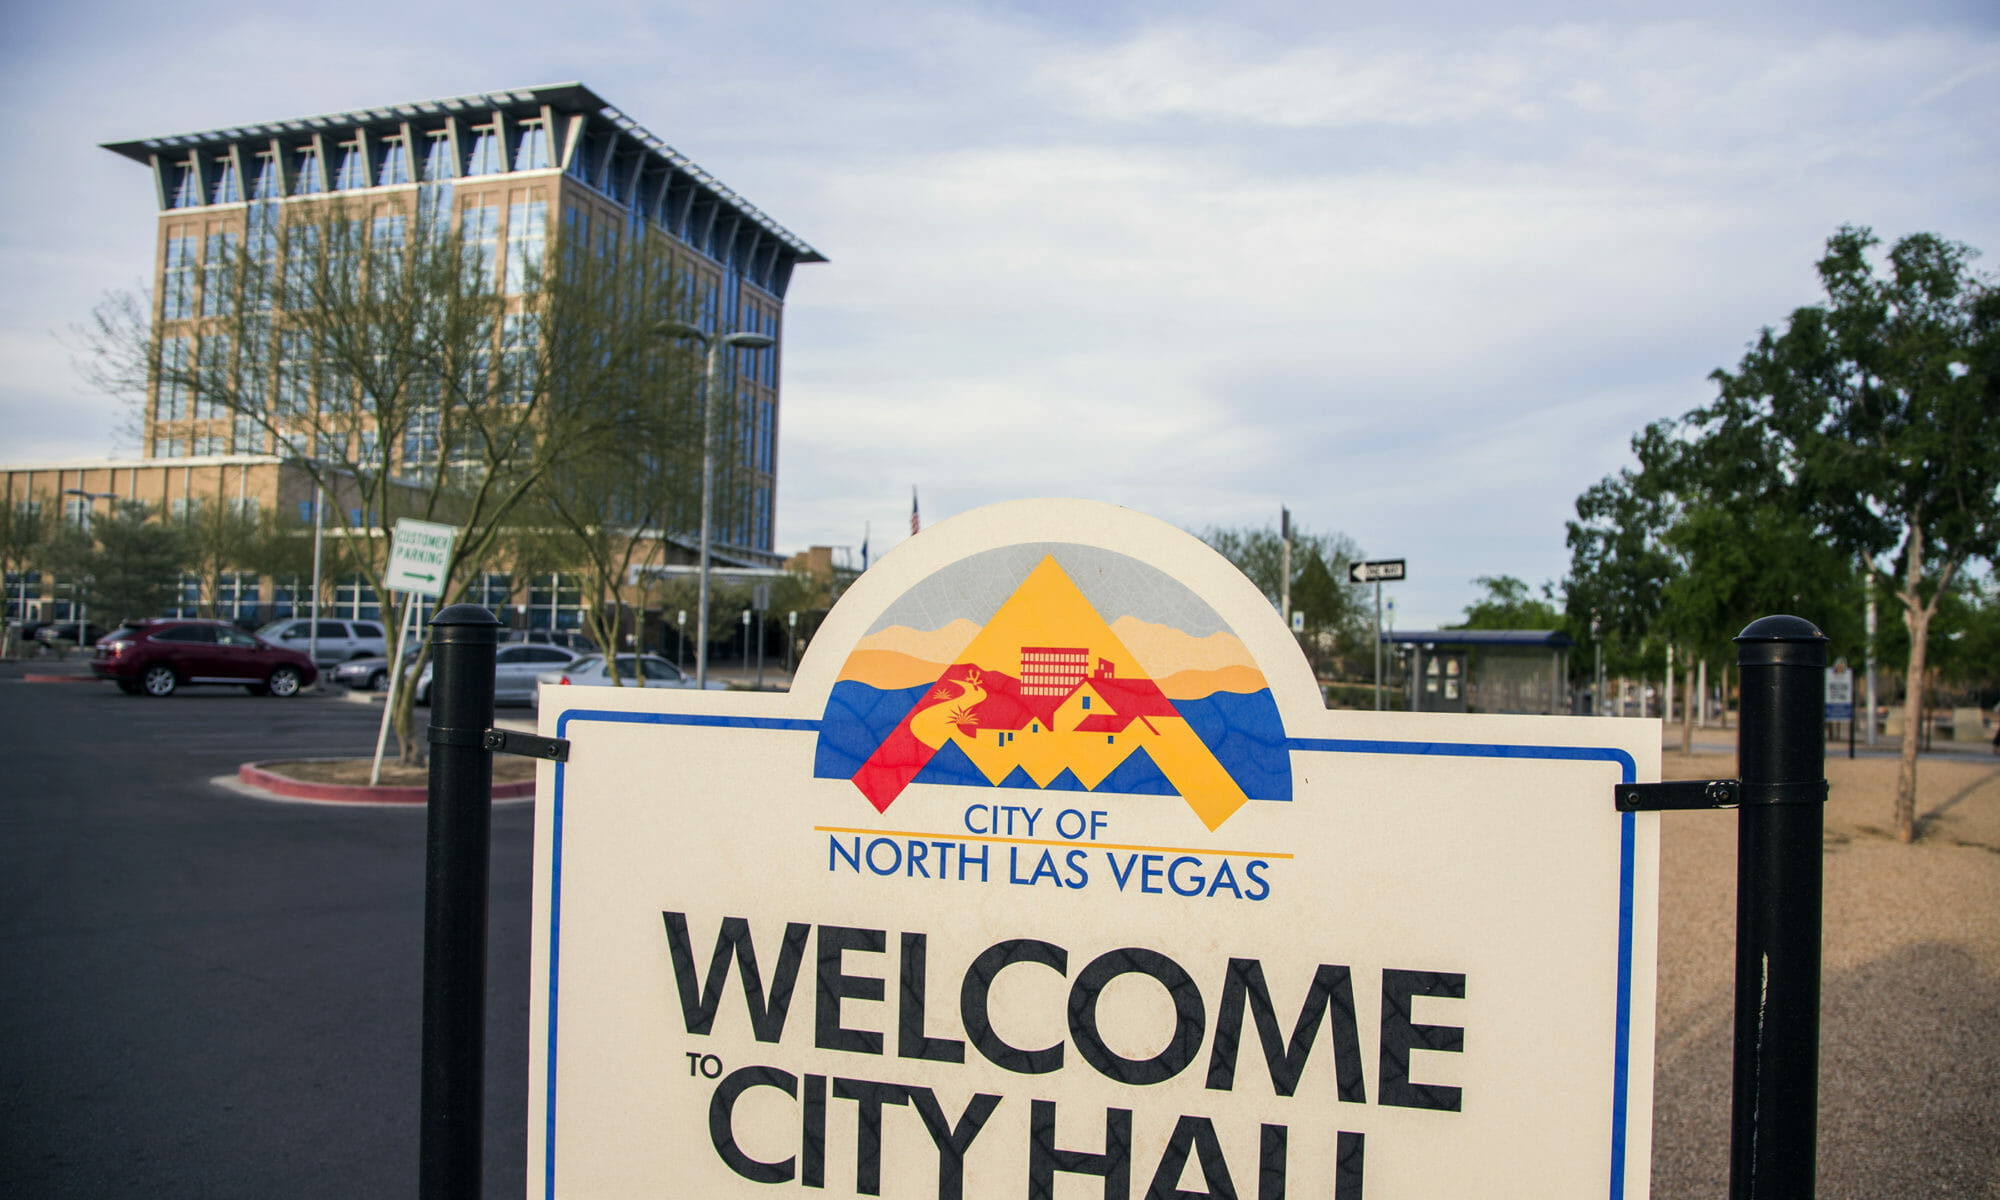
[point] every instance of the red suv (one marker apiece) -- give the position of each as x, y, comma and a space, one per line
156, 657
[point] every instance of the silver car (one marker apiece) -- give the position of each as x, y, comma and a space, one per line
516, 668
634, 670
337, 641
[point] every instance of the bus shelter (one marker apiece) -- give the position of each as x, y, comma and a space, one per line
1483, 670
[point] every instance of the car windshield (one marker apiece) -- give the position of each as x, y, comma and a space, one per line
584, 666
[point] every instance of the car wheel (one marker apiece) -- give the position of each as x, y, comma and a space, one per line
284, 681
129, 686
159, 680
379, 681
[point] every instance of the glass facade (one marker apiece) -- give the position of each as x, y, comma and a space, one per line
395, 163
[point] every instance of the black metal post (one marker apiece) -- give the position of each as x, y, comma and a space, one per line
452, 1121
1781, 761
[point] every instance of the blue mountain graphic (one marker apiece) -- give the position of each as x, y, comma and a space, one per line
1019, 778
950, 766
1066, 782
1138, 775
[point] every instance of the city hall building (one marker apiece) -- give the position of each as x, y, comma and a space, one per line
514, 169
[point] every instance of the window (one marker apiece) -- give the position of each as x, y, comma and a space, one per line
527, 226
248, 436
228, 189
210, 445
212, 379
175, 362
187, 603
171, 447
294, 373
385, 252
371, 450
520, 340
533, 152
491, 590
256, 364
309, 181
353, 172
301, 264
395, 163
330, 447
438, 165
421, 441
260, 254
218, 265
235, 599
353, 598
243, 506
268, 183
177, 283
479, 226
486, 157
187, 185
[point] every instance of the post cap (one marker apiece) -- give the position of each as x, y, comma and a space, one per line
472, 615
1781, 640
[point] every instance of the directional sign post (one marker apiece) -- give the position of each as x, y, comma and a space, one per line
419, 555
1377, 572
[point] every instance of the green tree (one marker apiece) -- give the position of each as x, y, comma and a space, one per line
1339, 619
24, 532
126, 566
1508, 604
1882, 409
219, 537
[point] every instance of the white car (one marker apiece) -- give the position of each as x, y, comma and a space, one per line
634, 670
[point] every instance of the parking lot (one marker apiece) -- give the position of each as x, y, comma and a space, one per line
209, 994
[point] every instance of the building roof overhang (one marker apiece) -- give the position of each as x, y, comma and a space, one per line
568, 99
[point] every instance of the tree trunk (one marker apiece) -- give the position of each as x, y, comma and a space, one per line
1687, 715
1918, 620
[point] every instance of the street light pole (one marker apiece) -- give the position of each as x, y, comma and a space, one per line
712, 387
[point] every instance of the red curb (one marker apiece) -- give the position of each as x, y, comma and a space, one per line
59, 679
257, 775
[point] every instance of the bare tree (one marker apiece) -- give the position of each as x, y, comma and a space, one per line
412, 362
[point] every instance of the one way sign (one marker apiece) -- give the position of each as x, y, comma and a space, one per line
418, 557
1381, 570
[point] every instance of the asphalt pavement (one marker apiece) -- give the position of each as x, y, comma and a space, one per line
212, 995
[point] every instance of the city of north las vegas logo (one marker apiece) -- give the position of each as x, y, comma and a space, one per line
1055, 667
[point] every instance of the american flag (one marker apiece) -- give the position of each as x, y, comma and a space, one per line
915, 524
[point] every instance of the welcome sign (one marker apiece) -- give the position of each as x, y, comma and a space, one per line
1052, 876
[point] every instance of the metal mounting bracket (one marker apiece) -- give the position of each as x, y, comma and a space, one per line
528, 745
1687, 794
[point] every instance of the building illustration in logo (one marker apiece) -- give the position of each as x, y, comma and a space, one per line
1043, 693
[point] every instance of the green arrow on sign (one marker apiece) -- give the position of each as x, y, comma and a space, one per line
425, 578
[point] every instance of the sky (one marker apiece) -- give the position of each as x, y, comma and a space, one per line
1416, 272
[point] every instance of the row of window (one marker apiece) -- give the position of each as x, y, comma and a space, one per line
361, 162
550, 601
386, 236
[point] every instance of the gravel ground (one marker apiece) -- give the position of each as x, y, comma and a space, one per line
1910, 1001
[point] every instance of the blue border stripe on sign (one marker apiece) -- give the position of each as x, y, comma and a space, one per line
1627, 853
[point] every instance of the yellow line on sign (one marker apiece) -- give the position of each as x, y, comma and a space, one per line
1010, 841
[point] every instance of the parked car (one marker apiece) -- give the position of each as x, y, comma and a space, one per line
65, 631
158, 657
567, 638
516, 667
634, 670
369, 674
338, 641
